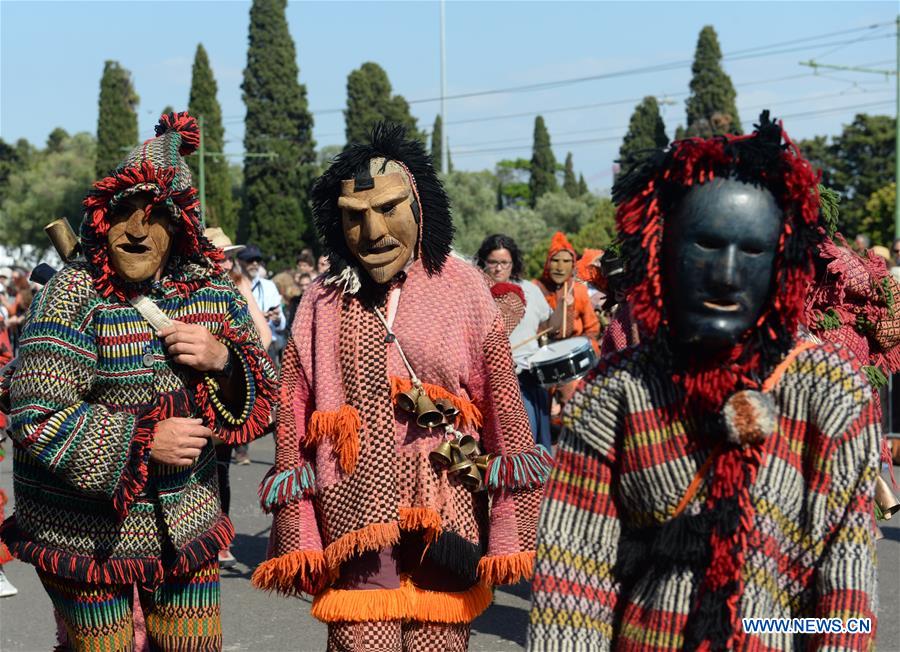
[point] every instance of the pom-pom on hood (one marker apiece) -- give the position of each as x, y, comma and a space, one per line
157, 166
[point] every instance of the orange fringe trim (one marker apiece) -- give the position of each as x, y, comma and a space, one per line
468, 413
421, 518
406, 603
507, 569
342, 426
291, 574
372, 537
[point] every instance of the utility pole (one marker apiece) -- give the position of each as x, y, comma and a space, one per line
202, 169
444, 153
895, 73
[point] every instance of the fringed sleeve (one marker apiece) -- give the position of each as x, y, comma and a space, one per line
295, 562
91, 447
574, 593
247, 420
517, 470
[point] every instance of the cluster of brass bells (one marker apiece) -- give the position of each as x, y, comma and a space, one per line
463, 460
428, 415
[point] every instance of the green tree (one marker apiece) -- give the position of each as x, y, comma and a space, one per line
564, 213
437, 134
646, 130
582, 185
600, 229
512, 181
570, 184
711, 104
449, 158
878, 220
117, 125
276, 211
543, 163
369, 100
168, 107
51, 186
203, 103
56, 139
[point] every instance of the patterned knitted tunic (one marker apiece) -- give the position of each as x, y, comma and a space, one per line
351, 471
92, 382
616, 571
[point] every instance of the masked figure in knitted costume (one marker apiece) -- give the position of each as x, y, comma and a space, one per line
399, 549
723, 468
131, 362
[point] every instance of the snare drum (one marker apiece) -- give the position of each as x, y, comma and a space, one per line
558, 363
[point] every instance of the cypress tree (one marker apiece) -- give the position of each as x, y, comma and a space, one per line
276, 212
712, 95
437, 134
168, 107
203, 102
117, 126
449, 158
582, 186
543, 163
645, 130
369, 100
570, 185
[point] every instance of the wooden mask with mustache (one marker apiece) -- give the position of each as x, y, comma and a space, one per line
379, 217
139, 237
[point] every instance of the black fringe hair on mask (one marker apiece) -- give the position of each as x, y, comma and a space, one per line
389, 141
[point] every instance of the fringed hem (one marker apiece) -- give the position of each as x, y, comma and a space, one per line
525, 470
259, 393
469, 414
302, 571
372, 537
282, 488
135, 473
421, 518
342, 426
507, 569
148, 571
405, 603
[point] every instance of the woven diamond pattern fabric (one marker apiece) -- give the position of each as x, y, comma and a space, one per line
629, 454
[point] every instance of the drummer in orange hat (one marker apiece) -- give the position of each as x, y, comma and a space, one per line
573, 314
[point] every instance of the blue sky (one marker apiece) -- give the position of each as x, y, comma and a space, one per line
53, 53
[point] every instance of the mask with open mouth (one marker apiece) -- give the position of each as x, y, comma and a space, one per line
139, 238
718, 259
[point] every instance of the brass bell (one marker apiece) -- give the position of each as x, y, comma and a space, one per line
447, 408
481, 462
885, 498
442, 456
468, 446
471, 479
427, 416
407, 400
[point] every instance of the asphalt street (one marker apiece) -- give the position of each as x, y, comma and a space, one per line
259, 622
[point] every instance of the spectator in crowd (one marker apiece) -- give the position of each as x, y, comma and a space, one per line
306, 263
264, 291
500, 258
861, 243
323, 264
883, 252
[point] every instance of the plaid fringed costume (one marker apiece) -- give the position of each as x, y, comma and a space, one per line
93, 380
397, 555
687, 496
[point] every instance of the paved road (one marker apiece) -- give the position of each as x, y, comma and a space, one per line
255, 621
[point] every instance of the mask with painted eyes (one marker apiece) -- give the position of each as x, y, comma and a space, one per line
379, 220
139, 238
719, 249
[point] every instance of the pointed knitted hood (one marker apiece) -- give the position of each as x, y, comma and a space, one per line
157, 166
557, 244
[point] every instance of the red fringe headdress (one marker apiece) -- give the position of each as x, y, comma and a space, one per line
645, 194
157, 167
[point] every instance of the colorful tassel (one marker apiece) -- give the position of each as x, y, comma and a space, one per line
875, 376
371, 537
301, 571
507, 569
342, 426
525, 470
279, 489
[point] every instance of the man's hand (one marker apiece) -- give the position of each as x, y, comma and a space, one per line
178, 441
194, 346
272, 314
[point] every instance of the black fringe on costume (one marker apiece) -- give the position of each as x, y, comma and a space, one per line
456, 554
388, 141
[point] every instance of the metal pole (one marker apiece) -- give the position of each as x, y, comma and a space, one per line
202, 173
897, 139
444, 152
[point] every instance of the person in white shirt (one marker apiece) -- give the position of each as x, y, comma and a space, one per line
500, 258
264, 291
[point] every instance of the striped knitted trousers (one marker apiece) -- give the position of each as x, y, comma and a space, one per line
182, 614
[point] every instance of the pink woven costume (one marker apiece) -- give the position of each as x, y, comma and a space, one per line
389, 546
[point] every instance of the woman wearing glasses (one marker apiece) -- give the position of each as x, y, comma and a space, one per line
500, 258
